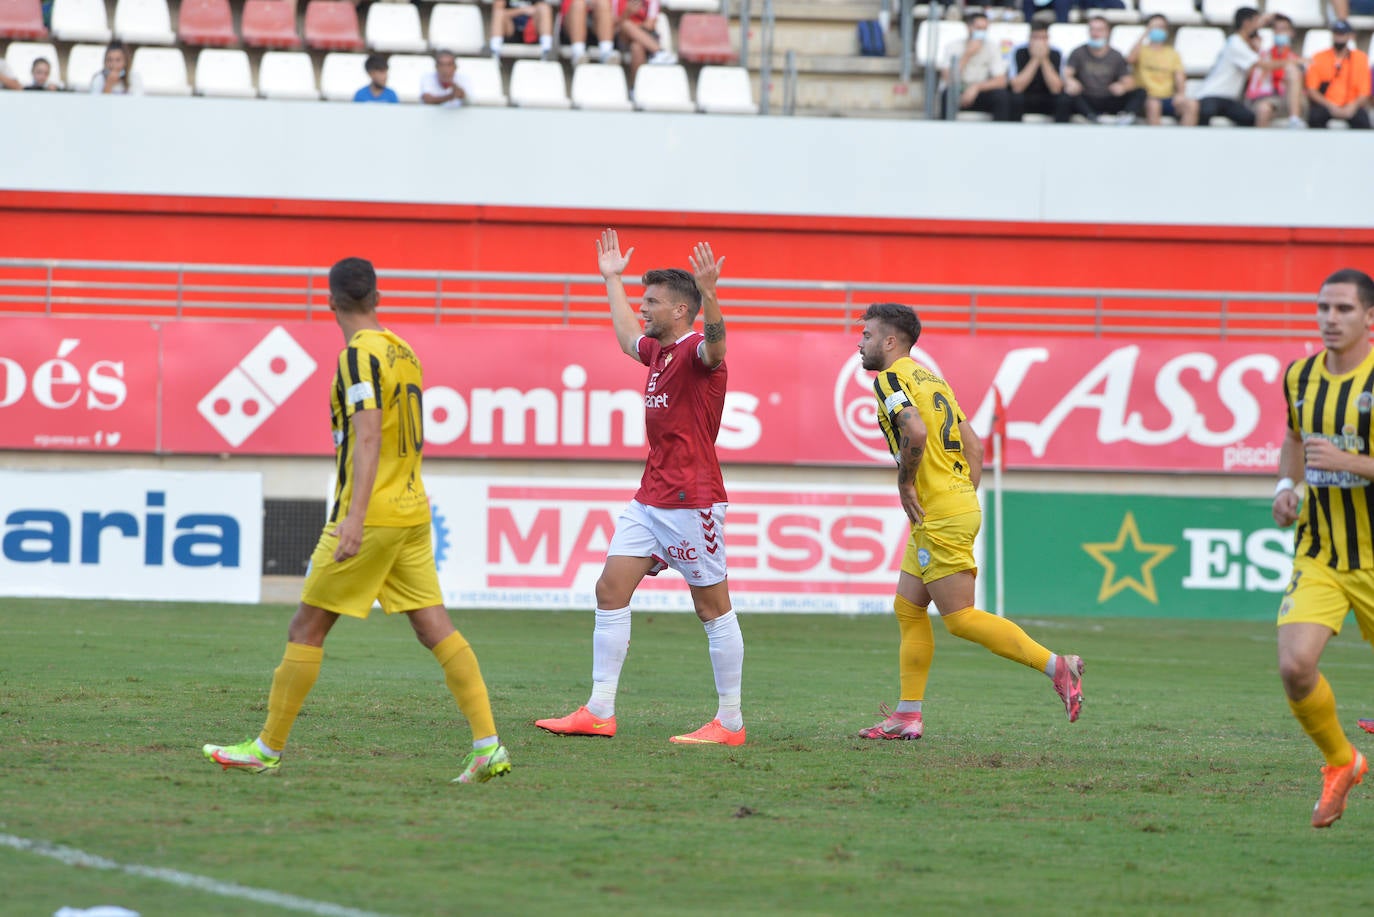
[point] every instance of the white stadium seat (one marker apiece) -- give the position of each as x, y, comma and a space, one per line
1124, 37
947, 32
457, 27
484, 81
80, 20
1315, 41
662, 88
1199, 46
287, 75
224, 72
405, 73
1223, 12
725, 91
1007, 35
394, 27
601, 87
162, 71
342, 75
20, 55
1306, 14
83, 63
144, 22
1178, 12
694, 6
1068, 37
540, 84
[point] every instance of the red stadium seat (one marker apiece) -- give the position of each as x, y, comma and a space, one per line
22, 19
207, 23
270, 24
704, 38
332, 25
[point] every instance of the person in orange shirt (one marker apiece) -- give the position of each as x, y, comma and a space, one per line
1338, 82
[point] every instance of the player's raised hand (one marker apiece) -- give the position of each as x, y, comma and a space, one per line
609, 260
705, 266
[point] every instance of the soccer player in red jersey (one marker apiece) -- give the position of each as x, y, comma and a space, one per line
677, 518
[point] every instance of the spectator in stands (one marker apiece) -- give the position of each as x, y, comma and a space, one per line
7, 80
1278, 92
636, 26
1159, 71
115, 78
1036, 73
41, 74
575, 16
523, 22
1099, 80
445, 85
982, 72
1221, 91
376, 89
1338, 82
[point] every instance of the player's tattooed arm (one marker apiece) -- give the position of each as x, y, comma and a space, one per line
706, 271
911, 446
714, 331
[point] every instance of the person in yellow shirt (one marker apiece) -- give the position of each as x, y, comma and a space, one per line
1159, 71
939, 462
376, 545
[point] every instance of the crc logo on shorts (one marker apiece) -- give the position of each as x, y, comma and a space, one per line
683, 551
252, 391
856, 408
923, 557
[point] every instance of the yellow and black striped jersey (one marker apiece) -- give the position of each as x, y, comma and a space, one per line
1338, 506
943, 484
379, 371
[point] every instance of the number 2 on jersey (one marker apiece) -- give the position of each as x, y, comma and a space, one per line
408, 401
947, 426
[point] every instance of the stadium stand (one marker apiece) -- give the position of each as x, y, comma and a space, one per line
1222, 12
1306, 14
144, 22
83, 63
406, 73
484, 76
539, 84
20, 55
270, 24
601, 87
947, 32
342, 75
1199, 46
332, 25
704, 38
206, 23
725, 91
1124, 36
457, 27
162, 70
1315, 41
1178, 12
395, 27
80, 20
224, 72
287, 75
22, 19
663, 88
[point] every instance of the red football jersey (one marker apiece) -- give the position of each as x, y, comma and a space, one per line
683, 401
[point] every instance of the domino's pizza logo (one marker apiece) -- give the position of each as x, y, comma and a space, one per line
252, 391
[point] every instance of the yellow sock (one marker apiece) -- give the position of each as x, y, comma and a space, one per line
291, 682
464, 680
917, 648
1317, 714
999, 635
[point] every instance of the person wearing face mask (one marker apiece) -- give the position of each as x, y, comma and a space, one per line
1159, 71
1279, 92
982, 73
1099, 80
1221, 90
1037, 79
1338, 82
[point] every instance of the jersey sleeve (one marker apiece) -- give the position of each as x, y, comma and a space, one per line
1292, 412
893, 394
646, 347
362, 375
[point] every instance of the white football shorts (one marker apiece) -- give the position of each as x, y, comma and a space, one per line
691, 541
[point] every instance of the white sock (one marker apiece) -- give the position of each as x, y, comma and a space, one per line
908, 706
485, 742
1049, 666
271, 753
726, 646
546, 42
610, 644
497, 42
604, 48
579, 48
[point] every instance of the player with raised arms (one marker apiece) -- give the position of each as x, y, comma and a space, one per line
677, 517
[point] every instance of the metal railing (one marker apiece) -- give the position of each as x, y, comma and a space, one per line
156, 291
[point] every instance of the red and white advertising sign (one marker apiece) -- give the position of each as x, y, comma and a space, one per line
795, 398
522, 543
72, 384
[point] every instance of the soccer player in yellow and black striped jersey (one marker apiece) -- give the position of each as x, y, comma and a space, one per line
376, 545
939, 461
1330, 396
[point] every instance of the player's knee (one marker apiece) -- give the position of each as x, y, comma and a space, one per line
1299, 677
960, 623
610, 594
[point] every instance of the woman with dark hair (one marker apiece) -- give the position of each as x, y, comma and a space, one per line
116, 79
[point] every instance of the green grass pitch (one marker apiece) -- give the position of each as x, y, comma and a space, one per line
1186, 787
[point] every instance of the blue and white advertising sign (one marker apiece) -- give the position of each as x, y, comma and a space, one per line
133, 534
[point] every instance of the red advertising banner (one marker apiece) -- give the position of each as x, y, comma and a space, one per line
796, 398
70, 384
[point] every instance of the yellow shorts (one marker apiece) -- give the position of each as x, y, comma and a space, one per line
1316, 594
941, 547
394, 565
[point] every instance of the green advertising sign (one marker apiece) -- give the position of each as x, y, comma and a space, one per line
1140, 556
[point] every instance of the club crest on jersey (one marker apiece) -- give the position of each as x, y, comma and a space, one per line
1365, 402
923, 557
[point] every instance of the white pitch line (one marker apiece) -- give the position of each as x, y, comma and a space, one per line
73, 857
